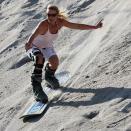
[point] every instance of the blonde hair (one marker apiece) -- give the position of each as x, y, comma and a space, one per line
61, 14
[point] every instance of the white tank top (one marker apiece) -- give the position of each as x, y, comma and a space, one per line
46, 40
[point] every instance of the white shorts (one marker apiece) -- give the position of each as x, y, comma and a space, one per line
46, 52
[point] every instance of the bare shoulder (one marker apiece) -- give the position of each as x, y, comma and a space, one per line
61, 22
65, 22
44, 23
42, 27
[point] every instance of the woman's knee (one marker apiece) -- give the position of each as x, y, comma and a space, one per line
39, 59
54, 62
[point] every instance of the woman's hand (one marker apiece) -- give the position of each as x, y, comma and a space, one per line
28, 46
99, 25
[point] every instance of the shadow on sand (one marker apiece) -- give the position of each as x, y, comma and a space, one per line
101, 95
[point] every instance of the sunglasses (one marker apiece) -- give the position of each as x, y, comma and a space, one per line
51, 15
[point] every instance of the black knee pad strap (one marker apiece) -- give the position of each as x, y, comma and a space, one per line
38, 65
38, 69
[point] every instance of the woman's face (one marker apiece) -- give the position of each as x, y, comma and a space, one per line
52, 16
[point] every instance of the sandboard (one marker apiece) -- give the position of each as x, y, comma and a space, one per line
37, 108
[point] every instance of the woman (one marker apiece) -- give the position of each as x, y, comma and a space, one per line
41, 42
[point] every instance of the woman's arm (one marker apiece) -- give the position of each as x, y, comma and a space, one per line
81, 26
40, 29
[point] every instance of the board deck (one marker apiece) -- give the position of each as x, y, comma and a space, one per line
35, 109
